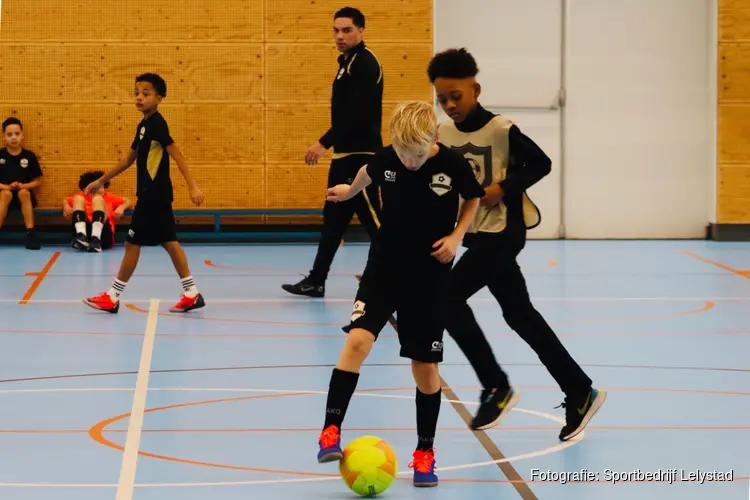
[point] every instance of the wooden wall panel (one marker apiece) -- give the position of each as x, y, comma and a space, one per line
296, 185
106, 72
249, 87
733, 171
132, 20
312, 21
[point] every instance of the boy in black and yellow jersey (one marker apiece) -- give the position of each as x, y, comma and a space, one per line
153, 221
507, 163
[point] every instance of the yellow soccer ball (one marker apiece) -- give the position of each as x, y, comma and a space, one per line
369, 466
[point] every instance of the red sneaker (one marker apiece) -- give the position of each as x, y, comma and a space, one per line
103, 302
188, 304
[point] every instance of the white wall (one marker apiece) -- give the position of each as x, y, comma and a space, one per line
520, 74
633, 148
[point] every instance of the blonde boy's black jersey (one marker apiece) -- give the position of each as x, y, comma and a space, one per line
152, 160
356, 104
420, 206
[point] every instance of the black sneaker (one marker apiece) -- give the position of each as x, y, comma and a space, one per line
95, 244
579, 411
80, 242
32, 240
494, 406
306, 287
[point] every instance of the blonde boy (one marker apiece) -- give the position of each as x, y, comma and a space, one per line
422, 183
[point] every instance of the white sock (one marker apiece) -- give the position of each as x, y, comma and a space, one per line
80, 227
117, 288
189, 286
96, 229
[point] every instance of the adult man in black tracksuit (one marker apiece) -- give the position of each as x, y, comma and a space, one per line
356, 119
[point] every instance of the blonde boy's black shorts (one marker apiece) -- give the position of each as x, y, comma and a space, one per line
417, 298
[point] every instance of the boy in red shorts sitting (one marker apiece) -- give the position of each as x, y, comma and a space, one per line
94, 217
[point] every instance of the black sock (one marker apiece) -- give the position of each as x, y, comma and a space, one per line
79, 216
340, 391
428, 409
97, 216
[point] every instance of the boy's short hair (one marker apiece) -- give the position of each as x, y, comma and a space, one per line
414, 126
358, 19
11, 121
87, 178
452, 63
157, 81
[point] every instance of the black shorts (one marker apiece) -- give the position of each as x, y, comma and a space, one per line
152, 224
107, 237
416, 296
15, 202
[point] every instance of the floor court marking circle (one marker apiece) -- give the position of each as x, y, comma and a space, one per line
331, 477
280, 481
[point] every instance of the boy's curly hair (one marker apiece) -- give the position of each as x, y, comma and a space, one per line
87, 178
452, 63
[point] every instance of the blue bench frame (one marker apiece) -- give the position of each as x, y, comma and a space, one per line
216, 213
217, 235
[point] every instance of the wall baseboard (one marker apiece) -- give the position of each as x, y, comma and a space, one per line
729, 232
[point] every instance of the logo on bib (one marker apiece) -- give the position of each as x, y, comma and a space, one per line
440, 184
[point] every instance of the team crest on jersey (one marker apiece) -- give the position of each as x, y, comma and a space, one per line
441, 184
480, 158
24, 163
143, 132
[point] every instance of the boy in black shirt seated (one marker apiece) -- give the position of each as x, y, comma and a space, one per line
507, 163
20, 174
422, 184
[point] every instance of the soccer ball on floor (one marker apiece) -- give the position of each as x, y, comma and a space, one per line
369, 466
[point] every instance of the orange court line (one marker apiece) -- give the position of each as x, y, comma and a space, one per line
133, 307
264, 271
709, 305
39, 278
738, 272
705, 308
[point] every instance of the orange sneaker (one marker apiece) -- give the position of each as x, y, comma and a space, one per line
103, 302
330, 445
424, 468
188, 304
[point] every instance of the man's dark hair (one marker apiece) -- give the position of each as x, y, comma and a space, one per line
452, 63
12, 121
358, 19
157, 81
87, 178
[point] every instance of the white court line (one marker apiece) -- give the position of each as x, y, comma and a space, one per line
135, 424
307, 301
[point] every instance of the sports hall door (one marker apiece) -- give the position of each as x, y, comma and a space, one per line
620, 95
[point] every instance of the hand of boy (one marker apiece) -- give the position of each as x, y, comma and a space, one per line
445, 248
493, 195
67, 211
92, 188
118, 212
16, 185
338, 193
196, 196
